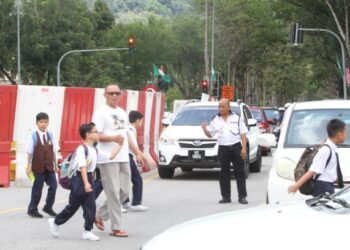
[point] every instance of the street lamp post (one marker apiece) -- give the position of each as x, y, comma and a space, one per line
18, 44
80, 51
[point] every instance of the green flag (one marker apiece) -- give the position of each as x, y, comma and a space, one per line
160, 72
340, 68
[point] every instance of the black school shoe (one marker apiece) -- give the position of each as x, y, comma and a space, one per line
50, 212
222, 201
243, 201
35, 214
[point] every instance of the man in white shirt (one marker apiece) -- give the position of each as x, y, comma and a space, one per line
112, 124
231, 134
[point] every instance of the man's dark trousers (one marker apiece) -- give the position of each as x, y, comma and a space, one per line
50, 179
137, 183
228, 154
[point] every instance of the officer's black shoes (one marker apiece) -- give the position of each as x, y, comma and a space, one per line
243, 201
224, 201
49, 211
35, 214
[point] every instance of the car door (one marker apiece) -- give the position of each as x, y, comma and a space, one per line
253, 132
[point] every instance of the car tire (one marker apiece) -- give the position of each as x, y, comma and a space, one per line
166, 173
186, 170
255, 167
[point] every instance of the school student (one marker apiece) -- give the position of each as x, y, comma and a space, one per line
326, 174
81, 193
42, 148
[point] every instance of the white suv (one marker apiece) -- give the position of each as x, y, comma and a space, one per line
304, 124
184, 144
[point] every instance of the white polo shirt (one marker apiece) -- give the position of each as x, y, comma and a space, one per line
228, 132
329, 173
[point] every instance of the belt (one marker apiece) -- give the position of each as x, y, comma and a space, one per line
230, 146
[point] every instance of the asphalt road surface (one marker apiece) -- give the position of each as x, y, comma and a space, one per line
186, 196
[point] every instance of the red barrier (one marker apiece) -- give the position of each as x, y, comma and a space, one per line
78, 109
8, 98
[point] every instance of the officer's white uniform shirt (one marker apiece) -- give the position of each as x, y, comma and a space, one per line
329, 173
228, 132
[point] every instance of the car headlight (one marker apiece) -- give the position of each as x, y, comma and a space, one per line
167, 141
285, 168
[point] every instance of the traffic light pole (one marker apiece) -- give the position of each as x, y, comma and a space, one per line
80, 51
342, 52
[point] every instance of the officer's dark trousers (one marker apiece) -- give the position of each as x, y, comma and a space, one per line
321, 187
78, 197
50, 179
228, 154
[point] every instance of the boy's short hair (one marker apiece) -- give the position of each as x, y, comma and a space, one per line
335, 126
42, 116
86, 128
134, 116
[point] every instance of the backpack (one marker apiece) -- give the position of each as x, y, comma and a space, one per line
35, 138
69, 167
303, 166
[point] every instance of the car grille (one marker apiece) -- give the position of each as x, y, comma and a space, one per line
197, 143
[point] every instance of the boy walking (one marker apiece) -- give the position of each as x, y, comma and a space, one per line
324, 174
81, 193
42, 149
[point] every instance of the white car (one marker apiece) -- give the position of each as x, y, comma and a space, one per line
184, 144
318, 223
304, 124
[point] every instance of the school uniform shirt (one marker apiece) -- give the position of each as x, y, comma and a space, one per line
228, 132
30, 143
92, 158
133, 136
329, 173
113, 121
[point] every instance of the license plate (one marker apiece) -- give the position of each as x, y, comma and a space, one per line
196, 154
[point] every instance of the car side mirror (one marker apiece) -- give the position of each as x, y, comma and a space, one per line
252, 122
277, 132
166, 121
267, 140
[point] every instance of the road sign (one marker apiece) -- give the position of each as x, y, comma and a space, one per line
150, 88
227, 92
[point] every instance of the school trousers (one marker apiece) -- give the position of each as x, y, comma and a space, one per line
78, 197
322, 187
115, 178
227, 155
50, 179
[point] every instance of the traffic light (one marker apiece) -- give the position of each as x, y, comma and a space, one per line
131, 44
296, 34
204, 86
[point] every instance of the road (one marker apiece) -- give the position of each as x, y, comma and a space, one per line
186, 196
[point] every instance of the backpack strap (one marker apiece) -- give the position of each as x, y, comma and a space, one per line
35, 136
328, 159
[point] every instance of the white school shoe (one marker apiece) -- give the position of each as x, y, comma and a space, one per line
53, 227
88, 235
139, 208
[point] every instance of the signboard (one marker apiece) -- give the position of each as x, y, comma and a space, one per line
150, 88
227, 92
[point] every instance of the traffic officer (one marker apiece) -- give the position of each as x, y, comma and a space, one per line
231, 134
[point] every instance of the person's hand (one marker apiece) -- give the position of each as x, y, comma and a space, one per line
118, 139
88, 188
139, 159
28, 170
204, 126
292, 189
244, 153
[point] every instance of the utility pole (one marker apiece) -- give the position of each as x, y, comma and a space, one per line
212, 49
81, 51
18, 44
206, 58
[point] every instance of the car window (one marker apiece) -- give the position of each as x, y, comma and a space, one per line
309, 127
257, 114
247, 112
272, 114
196, 115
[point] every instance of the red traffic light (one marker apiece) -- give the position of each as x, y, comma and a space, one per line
204, 84
131, 42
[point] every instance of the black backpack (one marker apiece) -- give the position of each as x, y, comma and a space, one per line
303, 166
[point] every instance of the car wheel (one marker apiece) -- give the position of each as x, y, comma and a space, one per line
256, 166
166, 173
186, 169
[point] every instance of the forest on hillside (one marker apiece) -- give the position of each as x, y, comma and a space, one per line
252, 45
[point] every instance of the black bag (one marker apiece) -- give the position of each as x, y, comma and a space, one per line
303, 166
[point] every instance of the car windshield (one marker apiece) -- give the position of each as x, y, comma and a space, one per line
272, 114
257, 114
196, 115
309, 127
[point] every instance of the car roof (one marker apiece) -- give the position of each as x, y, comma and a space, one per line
323, 104
214, 104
